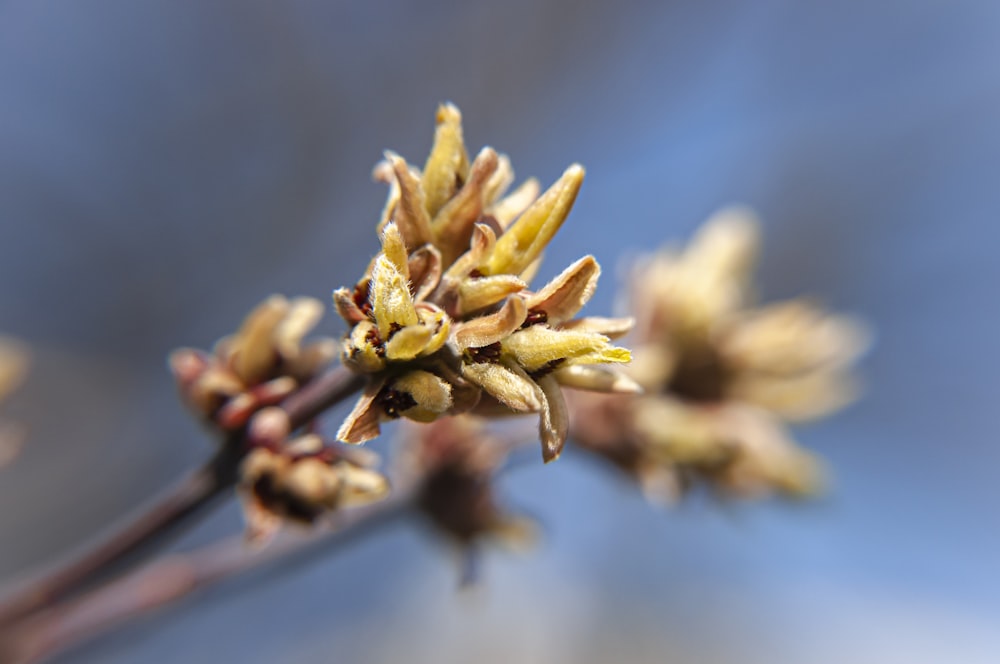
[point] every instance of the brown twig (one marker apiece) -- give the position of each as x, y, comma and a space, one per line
179, 507
179, 576
182, 575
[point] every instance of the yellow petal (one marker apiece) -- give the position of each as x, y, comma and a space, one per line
407, 343
797, 398
767, 459
394, 249
438, 322
508, 384
725, 247
432, 395
252, 348
302, 316
596, 379
313, 484
565, 295
536, 346
476, 294
362, 349
530, 234
607, 355
487, 330
506, 210
392, 304
793, 337
452, 226
554, 422
360, 486
447, 165
411, 212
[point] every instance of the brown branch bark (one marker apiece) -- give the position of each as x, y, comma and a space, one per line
181, 506
176, 577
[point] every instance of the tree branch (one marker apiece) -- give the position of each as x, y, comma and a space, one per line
167, 516
179, 576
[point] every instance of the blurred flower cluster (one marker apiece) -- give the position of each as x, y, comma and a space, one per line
13, 369
300, 478
259, 366
720, 374
444, 321
455, 462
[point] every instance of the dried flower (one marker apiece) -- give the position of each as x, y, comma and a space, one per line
13, 369
444, 313
719, 375
455, 461
300, 479
259, 366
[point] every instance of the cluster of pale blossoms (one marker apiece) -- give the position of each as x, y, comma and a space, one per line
446, 329
720, 374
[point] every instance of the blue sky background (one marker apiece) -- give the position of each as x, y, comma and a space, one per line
165, 166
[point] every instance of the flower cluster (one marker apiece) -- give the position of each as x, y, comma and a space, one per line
444, 321
298, 479
13, 368
455, 461
260, 365
720, 376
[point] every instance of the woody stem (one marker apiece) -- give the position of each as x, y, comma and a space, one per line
180, 507
177, 576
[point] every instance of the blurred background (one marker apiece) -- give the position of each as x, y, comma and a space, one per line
164, 166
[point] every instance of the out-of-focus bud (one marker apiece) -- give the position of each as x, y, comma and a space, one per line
300, 479
259, 366
454, 461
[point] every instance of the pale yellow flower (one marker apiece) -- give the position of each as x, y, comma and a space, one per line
445, 311
720, 376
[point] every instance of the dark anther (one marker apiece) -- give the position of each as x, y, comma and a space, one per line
393, 402
393, 329
265, 489
376, 341
546, 369
489, 353
301, 509
475, 274
361, 297
700, 375
535, 317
